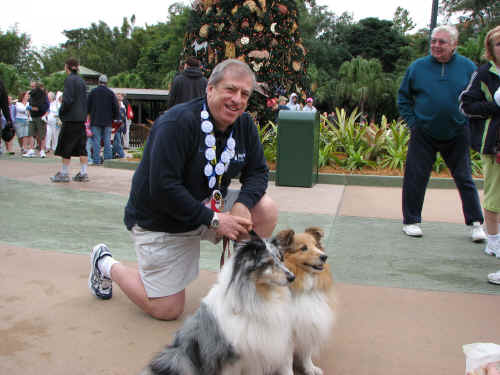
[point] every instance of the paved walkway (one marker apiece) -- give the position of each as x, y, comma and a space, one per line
406, 305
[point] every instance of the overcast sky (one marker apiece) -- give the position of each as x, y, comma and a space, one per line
44, 21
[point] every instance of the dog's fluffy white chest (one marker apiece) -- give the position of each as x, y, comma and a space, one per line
313, 319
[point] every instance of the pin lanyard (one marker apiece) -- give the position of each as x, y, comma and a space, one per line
214, 170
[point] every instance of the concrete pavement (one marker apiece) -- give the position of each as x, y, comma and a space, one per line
406, 305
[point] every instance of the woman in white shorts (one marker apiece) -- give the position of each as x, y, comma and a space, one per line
21, 123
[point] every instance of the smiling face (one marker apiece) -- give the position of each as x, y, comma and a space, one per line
442, 46
228, 99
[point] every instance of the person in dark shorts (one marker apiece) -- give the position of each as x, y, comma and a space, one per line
73, 111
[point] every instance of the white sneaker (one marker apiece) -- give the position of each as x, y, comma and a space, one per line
413, 230
494, 278
29, 154
42, 154
493, 247
477, 232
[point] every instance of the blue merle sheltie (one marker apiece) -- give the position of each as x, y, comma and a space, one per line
243, 325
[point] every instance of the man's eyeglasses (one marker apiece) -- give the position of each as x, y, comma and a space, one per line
439, 41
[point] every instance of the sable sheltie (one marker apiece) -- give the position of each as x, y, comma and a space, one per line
312, 304
243, 324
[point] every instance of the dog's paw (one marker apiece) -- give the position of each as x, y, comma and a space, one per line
313, 370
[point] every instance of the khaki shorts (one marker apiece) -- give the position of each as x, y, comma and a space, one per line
38, 128
168, 262
491, 188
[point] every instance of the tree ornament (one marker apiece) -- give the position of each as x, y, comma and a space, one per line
259, 54
204, 31
262, 5
245, 24
294, 27
234, 10
245, 40
219, 27
230, 50
282, 8
258, 27
273, 28
250, 4
296, 66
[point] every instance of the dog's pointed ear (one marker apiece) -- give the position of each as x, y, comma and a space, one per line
284, 238
316, 232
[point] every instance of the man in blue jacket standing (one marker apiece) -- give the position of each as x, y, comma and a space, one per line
103, 109
428, 101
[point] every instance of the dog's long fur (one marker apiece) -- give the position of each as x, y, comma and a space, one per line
312, 294
243, 324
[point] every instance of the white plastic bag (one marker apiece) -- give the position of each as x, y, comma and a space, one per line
479, 355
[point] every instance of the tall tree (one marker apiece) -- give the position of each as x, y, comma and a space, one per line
485, 13
402, 21
263, 33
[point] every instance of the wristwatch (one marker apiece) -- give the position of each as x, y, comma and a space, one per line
214, 223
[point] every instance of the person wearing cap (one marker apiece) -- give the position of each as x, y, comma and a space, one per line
309, 106
102, 109
481, 102
181, 194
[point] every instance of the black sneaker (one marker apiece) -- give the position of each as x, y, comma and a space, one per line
99, 285
79, 177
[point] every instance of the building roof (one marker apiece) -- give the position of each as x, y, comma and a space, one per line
145, 94
85, 72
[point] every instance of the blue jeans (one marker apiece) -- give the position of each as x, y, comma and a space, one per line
88, 147
117, 145
100, 132
422, 150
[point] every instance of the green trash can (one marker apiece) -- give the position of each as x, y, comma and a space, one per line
298, 149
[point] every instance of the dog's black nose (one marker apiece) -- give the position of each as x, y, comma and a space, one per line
290, 277
323, 257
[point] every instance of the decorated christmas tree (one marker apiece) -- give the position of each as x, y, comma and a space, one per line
262, 33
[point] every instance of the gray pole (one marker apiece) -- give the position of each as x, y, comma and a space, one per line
435, 6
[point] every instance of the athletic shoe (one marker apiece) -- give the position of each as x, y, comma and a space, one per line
477, 232
42, 154
99, 285
59, 177
494, 278
413, 230
493, 248
29, 154
79, 177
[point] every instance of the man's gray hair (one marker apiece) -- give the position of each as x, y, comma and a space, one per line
451, 30
234, 65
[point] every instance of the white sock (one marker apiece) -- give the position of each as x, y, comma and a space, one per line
104, 264
494, 237
83, 169
65, 169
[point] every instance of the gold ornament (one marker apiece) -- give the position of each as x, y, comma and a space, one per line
230, 50
294, 27
234, 10
210, 55
219, 26
241, 58
204, 31
250, 4
296, 66
259, 54
258, 27
262, 5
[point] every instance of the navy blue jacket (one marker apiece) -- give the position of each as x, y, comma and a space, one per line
428, 95
102, 106
188, 85
169, 185
477, 102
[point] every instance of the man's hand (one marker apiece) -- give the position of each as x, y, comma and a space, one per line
232, 226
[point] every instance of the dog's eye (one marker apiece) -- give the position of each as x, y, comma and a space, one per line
304, 248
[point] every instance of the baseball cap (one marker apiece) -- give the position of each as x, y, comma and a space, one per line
103, 78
